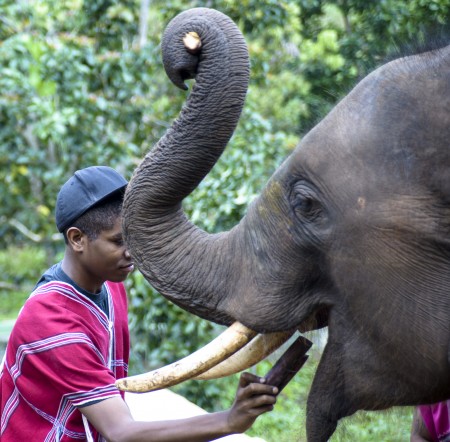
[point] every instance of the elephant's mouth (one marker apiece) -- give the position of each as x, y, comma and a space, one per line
236, 349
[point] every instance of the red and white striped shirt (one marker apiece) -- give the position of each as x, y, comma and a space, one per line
64, 352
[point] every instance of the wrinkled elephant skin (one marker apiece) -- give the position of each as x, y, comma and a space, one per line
355, 224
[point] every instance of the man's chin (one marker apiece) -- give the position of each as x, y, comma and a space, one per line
122, 274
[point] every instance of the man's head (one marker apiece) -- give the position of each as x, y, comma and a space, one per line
90, 200
88, 212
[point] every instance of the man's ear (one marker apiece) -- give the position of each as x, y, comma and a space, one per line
76, 239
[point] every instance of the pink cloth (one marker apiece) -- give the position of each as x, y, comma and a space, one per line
437, 420
63, 353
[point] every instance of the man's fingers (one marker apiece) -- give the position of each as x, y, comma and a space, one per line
258, 389
253, 398
263, 400
255, 402
261, 410
257, 409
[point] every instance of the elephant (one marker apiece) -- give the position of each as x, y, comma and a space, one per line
352, 231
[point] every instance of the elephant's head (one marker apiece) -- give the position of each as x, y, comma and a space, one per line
353, 228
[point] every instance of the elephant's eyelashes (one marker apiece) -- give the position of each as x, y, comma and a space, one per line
305, 204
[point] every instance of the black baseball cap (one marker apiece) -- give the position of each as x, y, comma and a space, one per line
86, 188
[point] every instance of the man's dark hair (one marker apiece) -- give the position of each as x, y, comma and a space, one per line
100, 217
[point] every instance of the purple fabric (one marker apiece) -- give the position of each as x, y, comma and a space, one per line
437, 421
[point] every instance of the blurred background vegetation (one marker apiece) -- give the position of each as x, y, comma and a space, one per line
82, 83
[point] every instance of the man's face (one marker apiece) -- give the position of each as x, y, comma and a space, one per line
105, 258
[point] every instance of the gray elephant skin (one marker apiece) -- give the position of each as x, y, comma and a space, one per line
353, 229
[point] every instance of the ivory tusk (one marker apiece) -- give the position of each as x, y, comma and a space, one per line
231, 340
256, 350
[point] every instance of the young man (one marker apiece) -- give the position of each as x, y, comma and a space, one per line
70, 341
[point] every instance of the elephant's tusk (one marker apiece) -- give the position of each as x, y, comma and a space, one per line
256, 350
230, 341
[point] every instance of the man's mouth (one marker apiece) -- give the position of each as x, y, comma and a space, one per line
128, 268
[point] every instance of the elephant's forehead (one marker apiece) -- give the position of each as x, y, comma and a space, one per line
383, 133
342, 151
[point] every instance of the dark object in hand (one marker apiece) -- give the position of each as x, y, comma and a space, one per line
289, 364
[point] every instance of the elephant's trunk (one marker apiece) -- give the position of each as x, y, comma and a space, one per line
162, 242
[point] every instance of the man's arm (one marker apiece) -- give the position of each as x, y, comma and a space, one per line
113, 419
419, 432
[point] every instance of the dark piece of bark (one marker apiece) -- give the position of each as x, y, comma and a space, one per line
289, 363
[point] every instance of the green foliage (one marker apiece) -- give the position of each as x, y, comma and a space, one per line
11, 301
20, 269
393, 425
21, 265
67, 102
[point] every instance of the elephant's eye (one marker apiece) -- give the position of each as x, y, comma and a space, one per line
305, 204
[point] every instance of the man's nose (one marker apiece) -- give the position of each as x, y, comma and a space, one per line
127, 254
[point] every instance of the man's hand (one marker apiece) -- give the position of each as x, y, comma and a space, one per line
253, 398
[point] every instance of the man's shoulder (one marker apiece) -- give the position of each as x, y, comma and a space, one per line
51, 290
45, 313
54, 299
